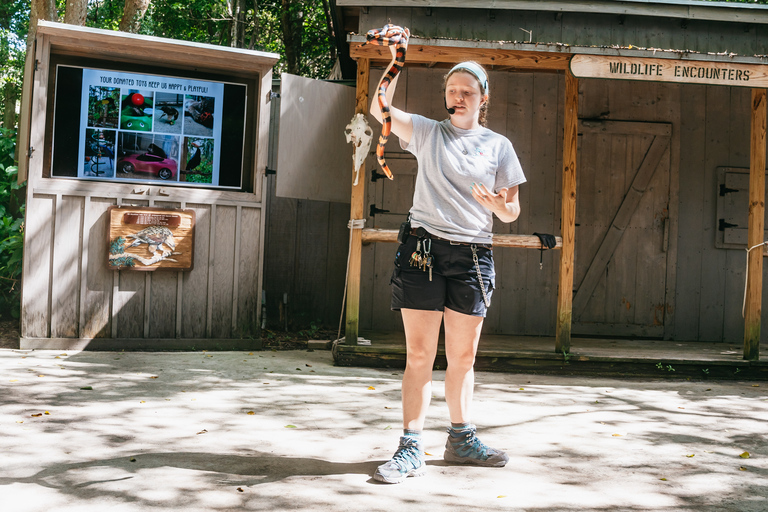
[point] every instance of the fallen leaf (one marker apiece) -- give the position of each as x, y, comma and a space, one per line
19, 422
41, 375
240, 489
427, 453
202, 432
522, 389
132, 459
250, 353
501, 496
64, 354
57, 357
37, 415
617, 435
744, 455
663, 479
742, 468
691, 455
14, 380
708, 389
298, 369
387, 427
755, 385
153, 377
143, 402
290, 426
46, 412
309, 365
387, 407
87, 388
371, 387
250, 413
681, 407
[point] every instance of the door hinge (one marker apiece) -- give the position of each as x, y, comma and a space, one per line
373, 211
376, 175
722, 225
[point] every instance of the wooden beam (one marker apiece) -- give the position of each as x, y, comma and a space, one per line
518, 241
356, 212
755, 234
425, 54
568, 216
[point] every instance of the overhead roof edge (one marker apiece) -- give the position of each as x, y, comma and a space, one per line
734, 12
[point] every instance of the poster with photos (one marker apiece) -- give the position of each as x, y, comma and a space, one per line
149, 128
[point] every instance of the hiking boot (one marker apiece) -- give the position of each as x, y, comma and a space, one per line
407, 461
463, 447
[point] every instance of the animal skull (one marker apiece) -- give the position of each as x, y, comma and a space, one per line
359, 133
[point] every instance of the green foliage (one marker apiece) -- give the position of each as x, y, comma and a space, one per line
11, 229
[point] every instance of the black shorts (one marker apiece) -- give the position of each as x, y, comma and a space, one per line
454, 282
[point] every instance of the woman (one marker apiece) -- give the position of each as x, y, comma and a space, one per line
444, 272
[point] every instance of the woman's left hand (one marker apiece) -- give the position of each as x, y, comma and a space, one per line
505, 207
485, 197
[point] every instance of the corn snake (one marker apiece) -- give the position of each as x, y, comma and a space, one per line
389, 35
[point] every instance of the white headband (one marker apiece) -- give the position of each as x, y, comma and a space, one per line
475, 70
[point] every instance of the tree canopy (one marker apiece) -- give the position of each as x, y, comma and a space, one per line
300, 31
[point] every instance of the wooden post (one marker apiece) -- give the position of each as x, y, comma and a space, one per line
356, 212
567, 216
756, 226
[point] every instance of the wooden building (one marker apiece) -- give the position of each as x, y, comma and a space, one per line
71, 296
663, 175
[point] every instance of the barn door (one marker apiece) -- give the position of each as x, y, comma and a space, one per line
622, 229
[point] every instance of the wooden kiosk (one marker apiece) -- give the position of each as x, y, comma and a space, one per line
144, 149
593, 65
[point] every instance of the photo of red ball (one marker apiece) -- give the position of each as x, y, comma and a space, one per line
137, 99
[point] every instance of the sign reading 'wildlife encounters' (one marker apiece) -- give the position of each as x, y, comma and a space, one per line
670, 70
151, 238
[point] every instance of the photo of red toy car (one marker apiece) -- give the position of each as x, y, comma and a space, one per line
154, 161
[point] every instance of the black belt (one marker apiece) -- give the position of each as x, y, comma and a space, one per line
423, 233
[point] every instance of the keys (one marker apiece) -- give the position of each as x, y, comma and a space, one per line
422, 257
416, 257
426, 263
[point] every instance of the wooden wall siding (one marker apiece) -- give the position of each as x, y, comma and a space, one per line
582, 29
71, 293
525, 106
305, 256
710, 125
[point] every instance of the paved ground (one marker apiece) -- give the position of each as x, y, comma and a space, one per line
95, 431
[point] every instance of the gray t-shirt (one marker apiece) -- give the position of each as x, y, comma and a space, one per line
450, 160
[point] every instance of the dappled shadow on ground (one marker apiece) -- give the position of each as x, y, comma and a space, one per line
289, 431
9, 334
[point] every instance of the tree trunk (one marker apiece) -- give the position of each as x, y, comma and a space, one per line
76, 12
133, 14
291, 24
39, 10
331, 28
237, 27
9, 107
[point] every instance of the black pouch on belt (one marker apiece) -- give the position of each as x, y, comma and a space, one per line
405, 231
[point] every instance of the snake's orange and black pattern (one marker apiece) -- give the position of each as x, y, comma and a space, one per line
389, 35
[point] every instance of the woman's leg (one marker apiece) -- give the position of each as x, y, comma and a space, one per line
462, 333
422, 329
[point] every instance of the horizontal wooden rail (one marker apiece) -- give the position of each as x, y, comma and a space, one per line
520, 241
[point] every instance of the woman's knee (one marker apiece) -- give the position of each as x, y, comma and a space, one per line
462, 361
